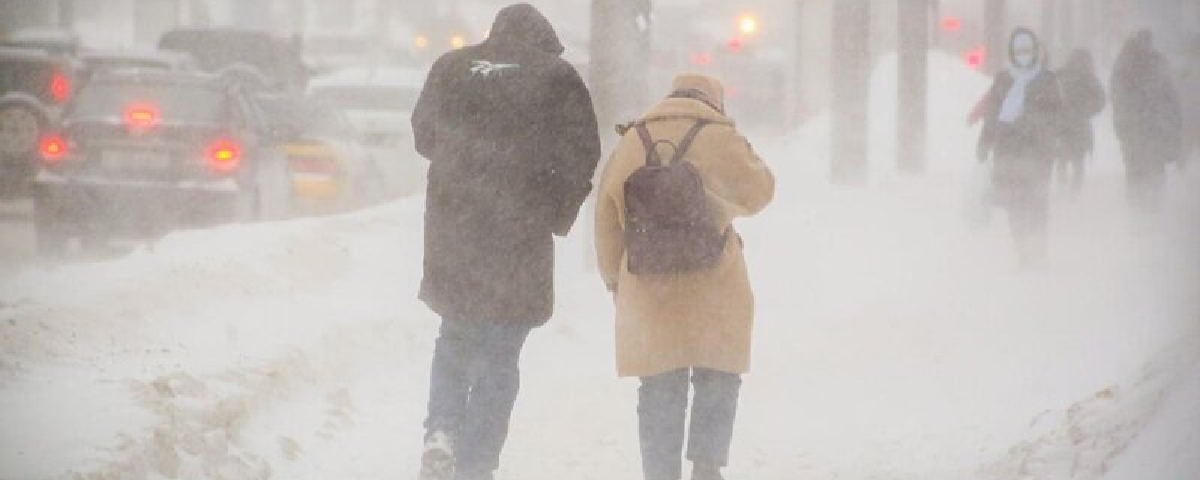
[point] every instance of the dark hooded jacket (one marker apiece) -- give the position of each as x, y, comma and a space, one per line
511, 136
1025, 149
1083, 99
1146, 108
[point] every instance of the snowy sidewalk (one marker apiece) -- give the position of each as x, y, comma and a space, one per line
892, 342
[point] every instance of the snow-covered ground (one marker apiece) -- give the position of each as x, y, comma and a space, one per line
893, 341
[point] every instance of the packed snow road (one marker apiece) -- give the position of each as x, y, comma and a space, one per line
892, 342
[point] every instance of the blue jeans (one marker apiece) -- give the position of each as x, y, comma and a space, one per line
473, 386
662, 412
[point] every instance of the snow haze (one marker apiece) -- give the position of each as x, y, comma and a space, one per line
896, 334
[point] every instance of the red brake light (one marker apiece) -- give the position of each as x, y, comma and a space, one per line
735, 44
53, 148
141, 116
976, 57
952, 24
224, 156
60, 87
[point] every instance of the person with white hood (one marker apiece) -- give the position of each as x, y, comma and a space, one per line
1022, 135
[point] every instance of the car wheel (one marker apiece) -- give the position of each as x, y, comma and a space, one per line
21, 129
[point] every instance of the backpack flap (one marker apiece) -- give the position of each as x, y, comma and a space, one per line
669, 228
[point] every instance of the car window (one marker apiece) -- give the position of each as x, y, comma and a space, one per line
25, 76
105, 64
170, 103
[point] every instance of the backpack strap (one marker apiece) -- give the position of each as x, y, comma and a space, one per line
686, 143
652, 158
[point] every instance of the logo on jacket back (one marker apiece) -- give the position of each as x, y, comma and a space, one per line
485, 68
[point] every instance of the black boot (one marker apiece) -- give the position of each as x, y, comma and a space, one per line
706, 471
437, 463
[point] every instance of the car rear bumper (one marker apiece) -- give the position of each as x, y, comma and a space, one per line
131, 208
317, 194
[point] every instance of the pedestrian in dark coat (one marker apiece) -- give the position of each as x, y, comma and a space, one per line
1083, 99
511, 136
1022, 134
1148, 119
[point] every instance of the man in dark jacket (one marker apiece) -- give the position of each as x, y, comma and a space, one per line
511, 136
1083, 99
1147, 118
1022, 133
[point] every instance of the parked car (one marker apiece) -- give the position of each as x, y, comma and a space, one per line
54, 41
140, 153
379, 104
98, 61
331, 171
216, 49
34, 86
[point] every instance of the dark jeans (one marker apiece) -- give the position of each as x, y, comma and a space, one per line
1022, 187
662, 412
1071, 170
473, 387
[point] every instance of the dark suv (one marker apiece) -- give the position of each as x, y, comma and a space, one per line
34, 85
139, 153
277, 60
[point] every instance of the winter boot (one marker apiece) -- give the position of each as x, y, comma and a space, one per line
437, 463
473, 475
706, 471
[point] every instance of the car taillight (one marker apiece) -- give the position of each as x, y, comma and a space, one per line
223, 156
314, 164
53, 148
141, 116
60, 87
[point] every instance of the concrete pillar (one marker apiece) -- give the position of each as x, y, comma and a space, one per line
851, 67
913, 85
620, 60
995, 25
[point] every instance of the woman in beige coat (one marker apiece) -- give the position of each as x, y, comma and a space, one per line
697, 324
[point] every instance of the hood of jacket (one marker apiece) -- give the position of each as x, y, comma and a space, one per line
522, 23
1025, 38
694, 96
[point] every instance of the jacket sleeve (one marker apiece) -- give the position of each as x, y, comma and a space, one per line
743, 184
426, 114
575, 142
987, 135
610, 232
1095, 97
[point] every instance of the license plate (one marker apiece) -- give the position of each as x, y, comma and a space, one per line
126, 160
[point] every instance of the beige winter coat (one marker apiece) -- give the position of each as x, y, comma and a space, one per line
700, 319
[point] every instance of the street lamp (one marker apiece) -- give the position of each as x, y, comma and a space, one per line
748, 24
